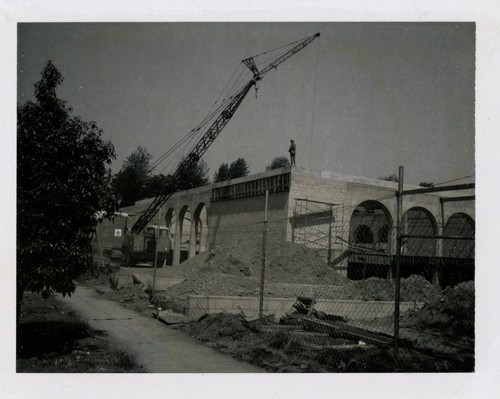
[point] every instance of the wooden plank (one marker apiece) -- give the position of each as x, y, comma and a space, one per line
344, 330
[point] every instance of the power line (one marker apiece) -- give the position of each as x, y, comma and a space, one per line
449, 181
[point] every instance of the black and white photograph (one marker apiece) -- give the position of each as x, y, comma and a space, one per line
286, 196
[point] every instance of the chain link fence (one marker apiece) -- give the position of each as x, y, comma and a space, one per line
325, 285
330, 297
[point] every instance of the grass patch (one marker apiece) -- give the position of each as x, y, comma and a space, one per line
51, 338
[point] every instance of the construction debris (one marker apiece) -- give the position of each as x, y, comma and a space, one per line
339, 329
305, 307
170, 317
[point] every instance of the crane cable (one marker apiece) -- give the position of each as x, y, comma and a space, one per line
279, 48
193, 132
197, 130
314, 104
187, 139
213, 112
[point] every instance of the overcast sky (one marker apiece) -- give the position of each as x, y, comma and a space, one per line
362, 99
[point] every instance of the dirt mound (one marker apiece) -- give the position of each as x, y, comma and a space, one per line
285, 262
216, 284
235, 269
212, 326
294, 263
451, 314
413, 288
417, 288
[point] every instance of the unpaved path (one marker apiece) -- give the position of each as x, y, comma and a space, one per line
158, 348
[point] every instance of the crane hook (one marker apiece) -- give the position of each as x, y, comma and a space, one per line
256, 89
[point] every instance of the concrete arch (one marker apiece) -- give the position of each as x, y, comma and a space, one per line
181, 236
419, 221
170, 221
376, 218
363, 235
461, 225
383, 234
199, 231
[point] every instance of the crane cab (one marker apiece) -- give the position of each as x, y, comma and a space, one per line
139, 249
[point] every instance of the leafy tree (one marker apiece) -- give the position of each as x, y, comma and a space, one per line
238, 168
222, 174
156, 184
62, 182
191, 173
130, 182
392, 177
395, 179
134, 180
278, 162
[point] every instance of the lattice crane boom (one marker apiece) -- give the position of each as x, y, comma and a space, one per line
213, 131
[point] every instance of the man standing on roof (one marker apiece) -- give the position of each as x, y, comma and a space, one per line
291, 150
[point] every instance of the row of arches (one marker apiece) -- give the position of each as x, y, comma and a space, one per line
371, 228
188, 231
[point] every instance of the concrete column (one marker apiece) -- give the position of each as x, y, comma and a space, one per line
192, 238
439, 242
439, 254
177, 242
203, 237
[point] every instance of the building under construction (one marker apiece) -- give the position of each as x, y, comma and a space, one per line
350, 222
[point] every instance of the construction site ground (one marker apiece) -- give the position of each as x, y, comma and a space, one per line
53, 338
154, 346
441, 333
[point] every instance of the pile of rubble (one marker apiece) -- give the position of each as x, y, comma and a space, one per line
413, 288
452, 313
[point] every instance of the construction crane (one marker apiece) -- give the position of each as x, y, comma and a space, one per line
213, 131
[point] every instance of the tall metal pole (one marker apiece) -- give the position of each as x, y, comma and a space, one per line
263, 267
397, 266
330, 236
156, 256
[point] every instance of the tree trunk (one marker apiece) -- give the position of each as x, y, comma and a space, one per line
20, 293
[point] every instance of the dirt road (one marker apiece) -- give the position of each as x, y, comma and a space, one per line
158, 348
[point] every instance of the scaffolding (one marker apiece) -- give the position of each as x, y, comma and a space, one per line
316, 224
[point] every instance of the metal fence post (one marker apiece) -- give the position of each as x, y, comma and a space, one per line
330, 236
397, 267
263, 267
157, 233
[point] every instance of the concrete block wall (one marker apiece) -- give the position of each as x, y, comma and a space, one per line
242, 219
351, 191
316, 186
199, 305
